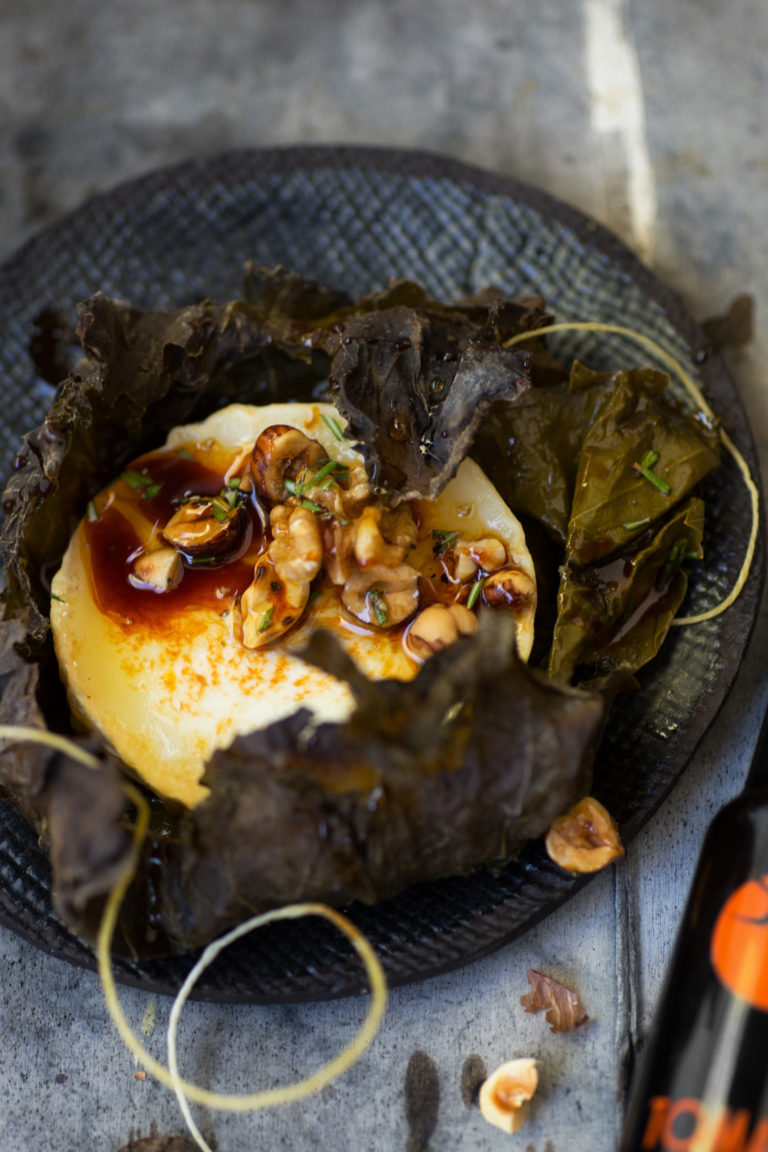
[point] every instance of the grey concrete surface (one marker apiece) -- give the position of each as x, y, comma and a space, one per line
650, 116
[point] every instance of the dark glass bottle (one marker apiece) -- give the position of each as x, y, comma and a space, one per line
702, 1084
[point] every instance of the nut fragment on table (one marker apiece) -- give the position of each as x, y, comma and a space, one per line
505, 1095
585, 839
562, 1007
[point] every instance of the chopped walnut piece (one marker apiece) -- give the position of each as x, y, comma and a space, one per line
297, 547
505, 1095
564, 1011
160, 570
487, 555
238, 468
371, 547
338, 550
585, 839
357, 492
384, 537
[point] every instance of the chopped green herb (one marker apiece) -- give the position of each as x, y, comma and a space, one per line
323, 478
327, 468
334, 427
136, 479
633, 525
444, 540
312, 506
184, 454
266, 619
645, 468
675, 557
379, 606
60, 599
220, 513
93, 512
152, 491
230, 495
233, 482
475, 591
652, 478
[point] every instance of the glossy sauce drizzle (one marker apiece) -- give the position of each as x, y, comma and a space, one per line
124, 515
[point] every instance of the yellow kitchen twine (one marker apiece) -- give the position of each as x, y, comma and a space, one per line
183, 1089
170, 1077
696, 395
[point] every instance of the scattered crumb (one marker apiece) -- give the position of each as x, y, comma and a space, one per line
564, 1010
160, 1144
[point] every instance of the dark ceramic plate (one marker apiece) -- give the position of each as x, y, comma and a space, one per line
354, 218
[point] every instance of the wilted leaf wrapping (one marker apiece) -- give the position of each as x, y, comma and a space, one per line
431, 778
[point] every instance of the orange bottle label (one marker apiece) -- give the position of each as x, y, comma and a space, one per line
739, 944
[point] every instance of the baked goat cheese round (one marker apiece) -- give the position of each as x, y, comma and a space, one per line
189, 588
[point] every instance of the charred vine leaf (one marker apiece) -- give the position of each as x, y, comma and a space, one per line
642, 454
603, 466
143, 373
614, 614
477, 744
414, 391
530, 450
82, 825
460, 767
284, 297
413, 376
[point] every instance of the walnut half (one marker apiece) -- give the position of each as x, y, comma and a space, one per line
585, 839
505, 1095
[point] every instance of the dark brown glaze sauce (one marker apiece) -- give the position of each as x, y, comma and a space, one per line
112, 541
